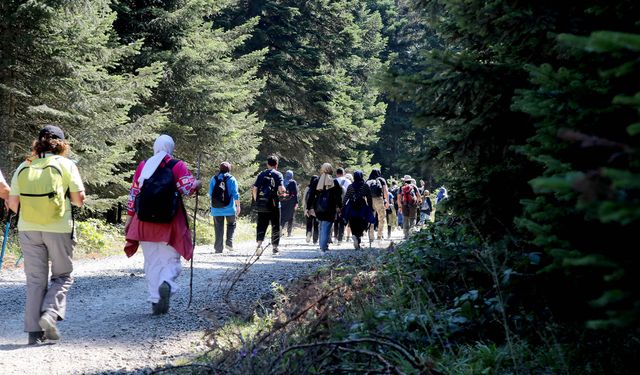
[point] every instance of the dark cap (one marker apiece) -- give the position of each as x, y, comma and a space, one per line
51, 131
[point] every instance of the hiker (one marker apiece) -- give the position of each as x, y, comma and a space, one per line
426, 207
380, 194
442, 195
43, 188
289, 202
157, 220
395, 191
326, 200
225, 205
409, 202
4, 188
265, 192
347, 228
358, 210
339, 225
312, 221
392, 220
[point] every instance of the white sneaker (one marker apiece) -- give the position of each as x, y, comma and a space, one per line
356, 245
308, 237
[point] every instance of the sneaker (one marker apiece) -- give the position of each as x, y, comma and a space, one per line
275, 250
48, 322
36, 338
165, 295
356, 245
228, 248
308, 237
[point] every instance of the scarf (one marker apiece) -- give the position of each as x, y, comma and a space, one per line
326, 180
287, 178
162, 147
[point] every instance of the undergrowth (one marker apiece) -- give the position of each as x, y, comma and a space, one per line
443, 302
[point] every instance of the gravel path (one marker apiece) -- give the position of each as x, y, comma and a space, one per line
109, 327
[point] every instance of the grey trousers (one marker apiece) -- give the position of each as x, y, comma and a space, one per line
38, 248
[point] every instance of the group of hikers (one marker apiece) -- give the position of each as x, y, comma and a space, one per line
47, 184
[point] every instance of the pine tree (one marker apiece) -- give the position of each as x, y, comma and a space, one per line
319, 103
209, 84
587, 211
58, 65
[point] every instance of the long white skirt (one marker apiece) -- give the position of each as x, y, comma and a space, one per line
161, 263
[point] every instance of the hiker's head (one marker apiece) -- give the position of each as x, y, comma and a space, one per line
326, 168
426, 193
288, 175
358, 176
421, 182
272, 161
313, 179
375, 173
164, 143
406, 179
225, 167
51, 139
339, 172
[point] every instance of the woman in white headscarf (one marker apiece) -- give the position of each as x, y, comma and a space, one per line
326, 202
163, 238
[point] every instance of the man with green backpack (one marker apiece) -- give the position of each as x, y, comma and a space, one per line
43, 189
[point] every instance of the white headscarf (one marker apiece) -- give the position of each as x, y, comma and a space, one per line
162, 147
326, 180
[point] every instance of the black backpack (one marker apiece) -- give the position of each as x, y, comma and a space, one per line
323, 202
267, 193
157, 201
220, 196
376, 187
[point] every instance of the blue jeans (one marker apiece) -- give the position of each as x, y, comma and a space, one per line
325, 234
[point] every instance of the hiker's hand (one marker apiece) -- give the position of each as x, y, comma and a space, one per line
127, 224
295, 207
238, 210
386, 205
197, 185
312, 212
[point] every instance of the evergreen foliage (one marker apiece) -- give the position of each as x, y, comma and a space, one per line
319, 103
587, 211
208, 86
58, 62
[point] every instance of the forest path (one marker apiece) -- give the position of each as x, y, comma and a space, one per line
109, 328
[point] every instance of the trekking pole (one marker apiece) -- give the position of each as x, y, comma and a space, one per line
6, 236
195, 213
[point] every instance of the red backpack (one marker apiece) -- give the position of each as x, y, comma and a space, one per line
409, 196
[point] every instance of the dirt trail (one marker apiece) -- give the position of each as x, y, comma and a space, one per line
109, 327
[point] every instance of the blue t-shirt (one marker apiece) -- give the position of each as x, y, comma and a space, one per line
277, 178
232, 186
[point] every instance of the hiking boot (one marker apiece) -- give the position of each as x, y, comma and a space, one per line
155, 309
36, 338
308, 237
228, 247
275, 250
165, 295
48, 322
356, 243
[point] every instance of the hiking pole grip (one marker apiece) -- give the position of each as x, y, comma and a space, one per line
195, 213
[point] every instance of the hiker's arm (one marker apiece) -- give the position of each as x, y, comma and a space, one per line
254, 192
77, 198
4, 190
13, 203
385, 196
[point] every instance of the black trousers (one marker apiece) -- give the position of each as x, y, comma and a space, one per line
219, 231
312, 227
288, 225
338, 229
266, 218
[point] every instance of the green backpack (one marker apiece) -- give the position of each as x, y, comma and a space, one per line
42, 193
